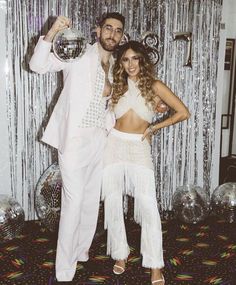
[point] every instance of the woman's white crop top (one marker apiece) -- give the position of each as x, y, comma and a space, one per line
132, 99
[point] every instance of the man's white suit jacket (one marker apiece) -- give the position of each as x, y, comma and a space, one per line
79, 82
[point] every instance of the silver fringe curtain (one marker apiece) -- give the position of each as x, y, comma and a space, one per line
182, 153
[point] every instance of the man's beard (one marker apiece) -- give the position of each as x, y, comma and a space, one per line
106, 46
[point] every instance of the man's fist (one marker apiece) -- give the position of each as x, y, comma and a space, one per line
61, 23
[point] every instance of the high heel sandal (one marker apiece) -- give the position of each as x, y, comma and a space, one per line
122, 269
159, 280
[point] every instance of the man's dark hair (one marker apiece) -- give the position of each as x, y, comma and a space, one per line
112, 15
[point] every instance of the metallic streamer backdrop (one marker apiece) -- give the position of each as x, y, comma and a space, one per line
182, 153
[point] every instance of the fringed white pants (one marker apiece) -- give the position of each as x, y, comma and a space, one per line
128, 169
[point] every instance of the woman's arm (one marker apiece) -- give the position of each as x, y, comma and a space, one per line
181, 113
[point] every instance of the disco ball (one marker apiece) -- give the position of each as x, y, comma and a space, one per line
48, 200
12, 218
48, 197
223, 201
191, 204
69, 44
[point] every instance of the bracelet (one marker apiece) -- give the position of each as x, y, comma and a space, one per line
151, 129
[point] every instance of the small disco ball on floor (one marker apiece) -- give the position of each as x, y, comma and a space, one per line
48, 200
191, 204
48, 197
12, 218
223, 201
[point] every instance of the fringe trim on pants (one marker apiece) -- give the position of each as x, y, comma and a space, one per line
126, 178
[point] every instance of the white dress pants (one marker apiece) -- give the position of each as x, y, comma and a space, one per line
81, 169
128, 169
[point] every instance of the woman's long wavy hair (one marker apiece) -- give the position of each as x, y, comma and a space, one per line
145, 77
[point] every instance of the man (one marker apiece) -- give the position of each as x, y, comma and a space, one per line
77, 129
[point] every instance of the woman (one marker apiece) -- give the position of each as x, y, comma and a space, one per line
128, 166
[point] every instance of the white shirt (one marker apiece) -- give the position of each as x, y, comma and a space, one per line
95, 115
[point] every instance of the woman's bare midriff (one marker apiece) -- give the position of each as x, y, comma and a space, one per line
130, 122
